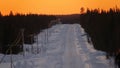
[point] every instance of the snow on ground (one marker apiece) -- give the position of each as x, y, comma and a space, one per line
61, 46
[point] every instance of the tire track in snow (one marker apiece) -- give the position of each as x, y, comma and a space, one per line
80, 50
71, 57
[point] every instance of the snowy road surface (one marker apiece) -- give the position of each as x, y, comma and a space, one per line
71, 58
61, 46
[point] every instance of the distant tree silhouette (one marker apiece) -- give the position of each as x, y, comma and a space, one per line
82, 10
11, 13
0, 14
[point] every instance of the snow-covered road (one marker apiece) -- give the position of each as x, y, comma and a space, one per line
71, 58
63, 48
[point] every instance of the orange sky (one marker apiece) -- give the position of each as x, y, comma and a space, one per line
53, 6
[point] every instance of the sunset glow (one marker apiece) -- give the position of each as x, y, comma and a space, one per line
53, 6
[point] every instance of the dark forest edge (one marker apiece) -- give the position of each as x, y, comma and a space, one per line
101, 25
12, 27
104, 29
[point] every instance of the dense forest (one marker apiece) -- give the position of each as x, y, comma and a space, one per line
103, 27
12, 28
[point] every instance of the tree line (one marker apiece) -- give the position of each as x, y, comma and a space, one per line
103, 27
12, 26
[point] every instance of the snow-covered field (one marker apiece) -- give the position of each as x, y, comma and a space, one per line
60, 46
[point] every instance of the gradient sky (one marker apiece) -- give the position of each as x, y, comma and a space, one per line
53, 6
